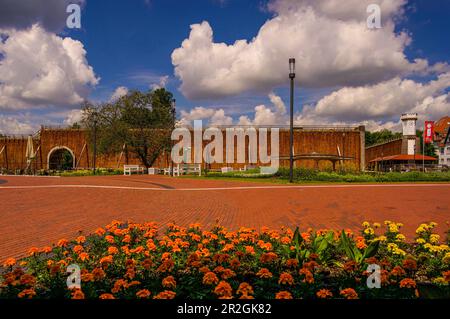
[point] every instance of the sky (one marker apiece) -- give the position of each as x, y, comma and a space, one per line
226, 61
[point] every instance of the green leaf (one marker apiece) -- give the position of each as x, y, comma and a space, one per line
345, 242
372, 249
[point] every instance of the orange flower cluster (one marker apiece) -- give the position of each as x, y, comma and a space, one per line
130, 260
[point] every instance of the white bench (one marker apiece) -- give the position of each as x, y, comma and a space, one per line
153, 171
226, 169
192, 168
130, 169
176, 170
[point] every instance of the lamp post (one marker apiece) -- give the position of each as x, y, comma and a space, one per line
291, 137
95, 141
174, 101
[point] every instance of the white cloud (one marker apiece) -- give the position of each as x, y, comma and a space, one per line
211, 116
329, 39
161, 84
10, 126
118, 93
22, 14
42, 69
73, 116
381, 103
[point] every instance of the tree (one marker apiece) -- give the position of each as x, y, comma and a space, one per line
382, 136
430, 149
142, 122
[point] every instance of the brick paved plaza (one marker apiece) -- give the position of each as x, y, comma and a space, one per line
37, 211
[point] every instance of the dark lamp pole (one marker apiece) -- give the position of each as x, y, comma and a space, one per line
291, 137
95, 142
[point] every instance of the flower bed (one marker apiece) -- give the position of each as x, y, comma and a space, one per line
128, 260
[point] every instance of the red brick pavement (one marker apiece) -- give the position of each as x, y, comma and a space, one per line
40, 216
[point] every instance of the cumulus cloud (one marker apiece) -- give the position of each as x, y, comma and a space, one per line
10, 126
329, 39
22, 14
209, 115
382, 102
161, 84
118, 93
42, 69
73, 116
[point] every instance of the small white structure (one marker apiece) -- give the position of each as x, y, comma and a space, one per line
409, 131
130, 169
153, 171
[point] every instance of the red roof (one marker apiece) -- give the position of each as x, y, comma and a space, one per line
442, 125
404, 157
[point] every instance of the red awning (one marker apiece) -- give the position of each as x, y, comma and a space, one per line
404, 157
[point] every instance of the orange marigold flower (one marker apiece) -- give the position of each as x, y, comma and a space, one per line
286, 279
137, 250
210, 278
27, 280
292, 263
268, 257
409, 264
227, 273
169, 282
166, 294
285, 240
107, 296
109, 239
46, 249
264, 273
77, 294
235, 263
250, 250
9, 262
407, 283
87, 276
106, 260
245, 289
80, 239
324, 293
398, 271
126, 239
99, 231
446, 275
144, 293
166, 266
33, 251
113, 250
63, 243
27, 293
283, 295
349, 293
147, 263
98, 274
83, 256
309, 278
223, 289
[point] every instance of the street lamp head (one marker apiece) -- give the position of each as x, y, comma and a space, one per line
292, 68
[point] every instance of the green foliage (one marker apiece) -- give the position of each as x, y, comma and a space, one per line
140, 123
353, 253
382, 136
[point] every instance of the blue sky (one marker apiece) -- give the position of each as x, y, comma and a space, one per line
130, 43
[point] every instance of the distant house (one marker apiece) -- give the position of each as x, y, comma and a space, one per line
442, 140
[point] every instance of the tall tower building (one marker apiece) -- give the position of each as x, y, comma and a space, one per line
409, 133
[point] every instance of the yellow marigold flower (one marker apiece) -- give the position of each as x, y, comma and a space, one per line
381, 238
366, 224
393, 228
369, 231
376, 225
420, 241
446, 258
434, 238
400, 237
